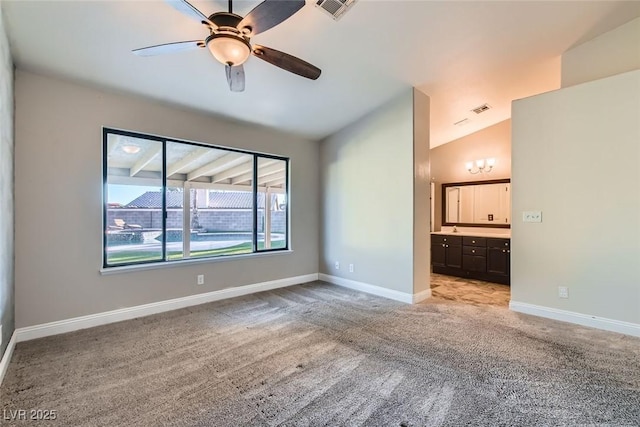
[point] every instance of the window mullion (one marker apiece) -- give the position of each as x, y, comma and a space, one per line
255, 203
186, 220
164, 200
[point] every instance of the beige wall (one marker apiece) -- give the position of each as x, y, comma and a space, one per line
59, 175
367, 197
6, 190
421, 196
614, 52
575, 158
448, 160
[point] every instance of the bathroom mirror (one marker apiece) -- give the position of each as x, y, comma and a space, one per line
477, 204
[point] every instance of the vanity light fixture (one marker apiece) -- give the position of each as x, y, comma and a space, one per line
481, 166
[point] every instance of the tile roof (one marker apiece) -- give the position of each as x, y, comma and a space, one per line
153, 199
233, 200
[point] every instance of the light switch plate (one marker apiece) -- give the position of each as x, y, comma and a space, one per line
532, 216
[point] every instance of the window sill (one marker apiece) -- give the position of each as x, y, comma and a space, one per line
182, 263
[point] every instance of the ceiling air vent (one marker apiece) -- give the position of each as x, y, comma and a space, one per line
335, 8
481, 109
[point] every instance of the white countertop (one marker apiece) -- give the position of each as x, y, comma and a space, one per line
498, 235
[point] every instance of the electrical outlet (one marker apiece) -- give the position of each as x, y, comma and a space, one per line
532, 216
563, 292
200, 279
350, 268
337, 265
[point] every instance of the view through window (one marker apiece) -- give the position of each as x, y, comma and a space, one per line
166, 200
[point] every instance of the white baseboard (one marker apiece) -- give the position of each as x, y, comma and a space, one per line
6, 358
83, 322
421, 296
375, 290
612, 325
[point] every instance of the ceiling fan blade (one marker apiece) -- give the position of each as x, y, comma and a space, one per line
188, 9
287, 62
169, 48
235, 77
268, 14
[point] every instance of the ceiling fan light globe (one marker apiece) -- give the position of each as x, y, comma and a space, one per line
229, 49
131, 149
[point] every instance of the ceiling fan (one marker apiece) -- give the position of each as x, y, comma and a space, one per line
229, 39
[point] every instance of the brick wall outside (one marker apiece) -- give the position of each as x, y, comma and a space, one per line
209, 219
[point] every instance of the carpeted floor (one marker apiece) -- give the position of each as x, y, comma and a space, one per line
317, 354
470, 291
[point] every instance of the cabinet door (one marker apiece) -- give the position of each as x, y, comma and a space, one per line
454, 256
498, 261
438, 255
474, 263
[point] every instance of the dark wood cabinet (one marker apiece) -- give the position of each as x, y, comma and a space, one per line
454, 255
446, 251
474, 254
438, 255
471, 257
499, 257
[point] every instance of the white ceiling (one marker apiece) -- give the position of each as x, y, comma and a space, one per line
462, 54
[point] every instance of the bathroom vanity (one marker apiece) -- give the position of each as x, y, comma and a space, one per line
471, 255
475, 241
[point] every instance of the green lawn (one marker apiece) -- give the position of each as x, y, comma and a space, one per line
126, 257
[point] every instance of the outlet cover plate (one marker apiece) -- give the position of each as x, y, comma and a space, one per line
532, 216
563, 292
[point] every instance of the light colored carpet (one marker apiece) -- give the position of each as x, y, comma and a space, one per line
317, 355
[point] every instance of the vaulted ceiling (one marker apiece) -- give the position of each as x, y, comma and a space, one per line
462, 54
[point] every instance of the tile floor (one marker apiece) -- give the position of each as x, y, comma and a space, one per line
469, 291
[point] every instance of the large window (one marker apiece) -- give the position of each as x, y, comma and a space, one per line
167, 200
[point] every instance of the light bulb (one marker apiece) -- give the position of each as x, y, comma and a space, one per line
480, 163
491, 162
469, 165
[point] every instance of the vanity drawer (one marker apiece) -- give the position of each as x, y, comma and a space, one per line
474, 241
499, 243
472, 250
445, 239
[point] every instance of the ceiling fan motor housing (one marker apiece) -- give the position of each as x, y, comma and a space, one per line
225, 19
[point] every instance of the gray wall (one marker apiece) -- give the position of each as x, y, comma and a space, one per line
368, 198
58, 165
575, 158
421, 189
614, 52
6, 190
448, 160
